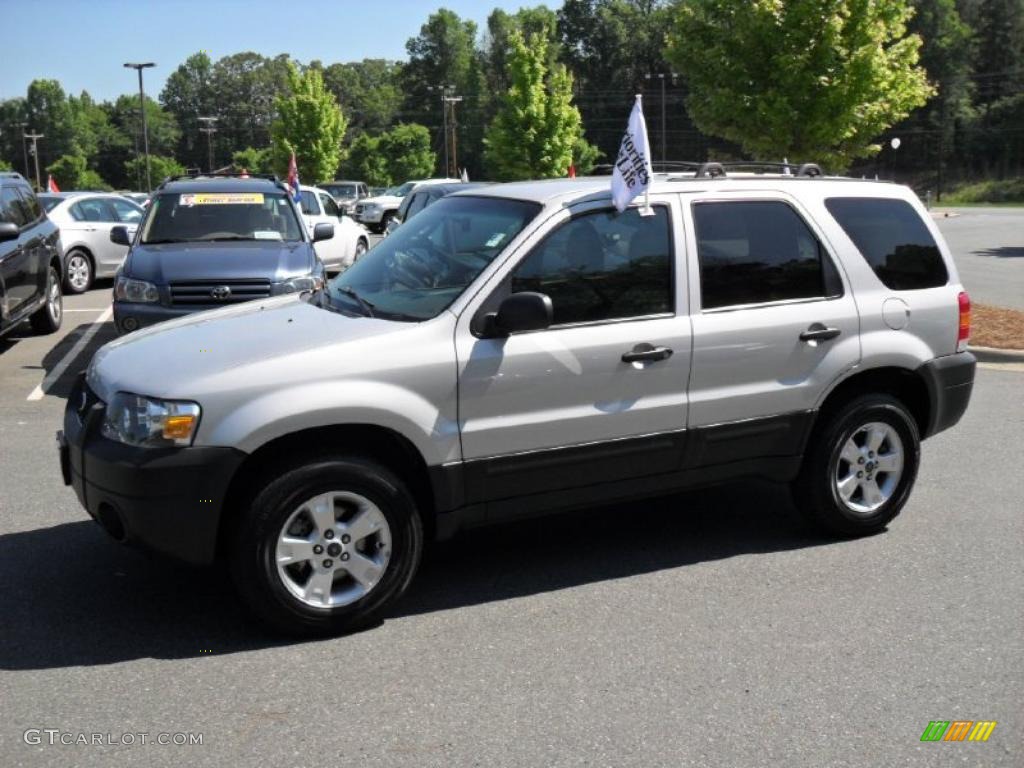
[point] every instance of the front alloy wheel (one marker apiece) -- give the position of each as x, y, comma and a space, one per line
327, 545
78, 272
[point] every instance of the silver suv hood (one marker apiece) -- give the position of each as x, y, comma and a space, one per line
244, 346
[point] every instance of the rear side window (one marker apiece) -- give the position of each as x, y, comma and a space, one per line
32, 209
12, 209
892, 239
757, 252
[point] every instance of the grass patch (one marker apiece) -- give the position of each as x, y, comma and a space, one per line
1004, 191
997, 327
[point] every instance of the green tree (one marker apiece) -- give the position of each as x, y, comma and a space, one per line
189, 95
5, 166
310, 124
48, 112
160, 168
366, 163
368, 91
537, 129
253, 160
406, 152
807, 79
70, 173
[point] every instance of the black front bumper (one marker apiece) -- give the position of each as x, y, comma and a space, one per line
949, 380
165, 499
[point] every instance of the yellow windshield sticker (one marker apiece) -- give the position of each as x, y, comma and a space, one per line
223, 198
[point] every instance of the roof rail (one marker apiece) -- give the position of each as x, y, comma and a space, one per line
222, 175
713, 170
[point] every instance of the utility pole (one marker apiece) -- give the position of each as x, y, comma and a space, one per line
209, 129
661, 76
24, 145
452, 172
142, 110
444, 111
34, 137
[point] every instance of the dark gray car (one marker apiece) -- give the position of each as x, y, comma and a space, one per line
211, 242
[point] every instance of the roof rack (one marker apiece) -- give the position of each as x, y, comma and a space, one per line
222, 175
714, 170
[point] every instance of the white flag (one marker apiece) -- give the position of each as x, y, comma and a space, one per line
464, 177
632, 173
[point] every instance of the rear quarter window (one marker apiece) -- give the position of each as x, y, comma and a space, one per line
893, 239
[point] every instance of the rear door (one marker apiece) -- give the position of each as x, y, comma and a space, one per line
560, 408
774, 324
19, 279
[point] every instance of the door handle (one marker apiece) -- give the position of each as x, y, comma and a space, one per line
819, 332
646, 353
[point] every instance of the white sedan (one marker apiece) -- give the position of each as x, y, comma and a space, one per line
351, 240
85, 220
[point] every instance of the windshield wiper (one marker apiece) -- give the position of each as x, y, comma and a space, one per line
367, 305
162, 240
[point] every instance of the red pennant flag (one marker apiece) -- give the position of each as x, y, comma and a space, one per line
51, 185
572, 171
293, 179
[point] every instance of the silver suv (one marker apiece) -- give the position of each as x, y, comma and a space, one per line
522, 348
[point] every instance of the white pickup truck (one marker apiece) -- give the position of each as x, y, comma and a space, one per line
375, 212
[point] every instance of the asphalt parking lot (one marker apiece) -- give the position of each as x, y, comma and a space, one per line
703, 629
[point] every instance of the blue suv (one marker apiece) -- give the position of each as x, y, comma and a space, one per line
212, 241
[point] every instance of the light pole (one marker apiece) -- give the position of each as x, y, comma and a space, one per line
453, 171
444, 110
142, 109
209, 129
34, 137
661, 76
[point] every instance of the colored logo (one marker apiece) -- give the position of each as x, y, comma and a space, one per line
220, 292
958, 730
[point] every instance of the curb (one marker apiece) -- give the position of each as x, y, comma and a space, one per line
995, 355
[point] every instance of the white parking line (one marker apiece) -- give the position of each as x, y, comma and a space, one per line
58, 370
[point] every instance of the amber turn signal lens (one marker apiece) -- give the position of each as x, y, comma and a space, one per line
178, 427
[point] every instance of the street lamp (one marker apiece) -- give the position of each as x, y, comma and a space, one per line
209, 129
142, 108
661, 76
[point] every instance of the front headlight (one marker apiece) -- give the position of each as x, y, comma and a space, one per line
371, 208
135, 291
299, 284
147, 422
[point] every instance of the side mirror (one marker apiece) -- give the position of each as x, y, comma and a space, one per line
119, 236
518, 313
8, 231
323, 231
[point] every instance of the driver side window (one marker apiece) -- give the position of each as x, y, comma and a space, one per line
603, 266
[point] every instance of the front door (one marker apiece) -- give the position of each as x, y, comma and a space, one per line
561, 407
16, 267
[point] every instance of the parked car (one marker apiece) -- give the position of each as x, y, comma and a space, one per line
424, 195
85, 220
346, 193
30, 265
524, 348
139, 198
376, 212
350, 241
212, 242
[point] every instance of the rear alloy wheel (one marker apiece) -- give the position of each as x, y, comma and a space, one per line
859, 467
47, 318
327, 546
78, 272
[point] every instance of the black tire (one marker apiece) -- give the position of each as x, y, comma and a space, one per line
359, 254
47, 318
254, 539
385, 220
75, 261
815, 490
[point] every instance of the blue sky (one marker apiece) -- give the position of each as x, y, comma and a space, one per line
83, 43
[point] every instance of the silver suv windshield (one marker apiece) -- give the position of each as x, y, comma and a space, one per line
415, 273
218, 216
399, 191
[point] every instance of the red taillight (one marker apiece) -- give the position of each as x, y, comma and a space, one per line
965, 321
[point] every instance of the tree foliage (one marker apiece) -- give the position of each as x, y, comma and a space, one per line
70, 173
160, 168
393, 157
253, 160
807, 79
310, 124
537, 127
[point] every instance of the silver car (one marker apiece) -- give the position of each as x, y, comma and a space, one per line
520, 349
85, 220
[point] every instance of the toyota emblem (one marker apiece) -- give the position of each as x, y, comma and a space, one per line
220, 292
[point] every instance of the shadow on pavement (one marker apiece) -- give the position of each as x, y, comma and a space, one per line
1005, 252
73, 597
